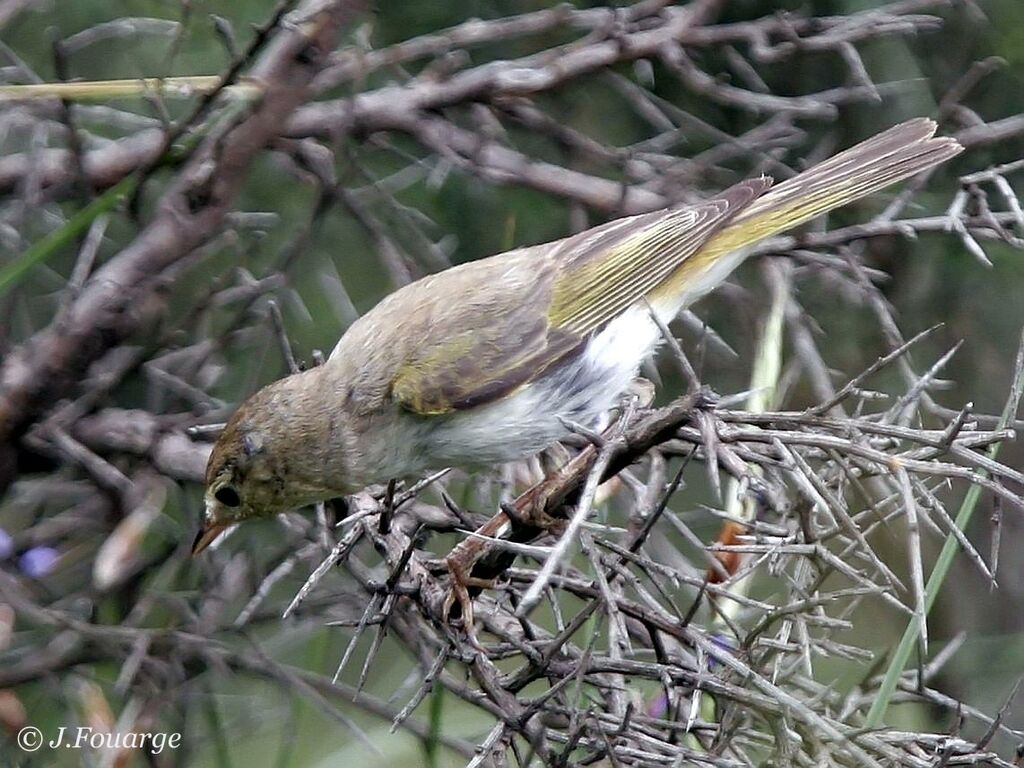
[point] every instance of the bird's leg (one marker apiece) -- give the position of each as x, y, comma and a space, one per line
460, 562
458, 592
534, 515
531, 507
531, 510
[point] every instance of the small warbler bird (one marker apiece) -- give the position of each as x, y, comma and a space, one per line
487, 361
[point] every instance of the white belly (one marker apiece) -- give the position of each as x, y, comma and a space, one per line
580, 391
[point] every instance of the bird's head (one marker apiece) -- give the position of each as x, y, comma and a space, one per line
262, 463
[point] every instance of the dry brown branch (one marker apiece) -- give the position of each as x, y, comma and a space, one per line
638, 639
191, 212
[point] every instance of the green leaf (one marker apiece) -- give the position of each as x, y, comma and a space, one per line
11, 274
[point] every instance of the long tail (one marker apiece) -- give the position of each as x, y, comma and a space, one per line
865, 168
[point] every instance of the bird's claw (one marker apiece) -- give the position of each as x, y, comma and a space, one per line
554, 525
458, 592
536, 516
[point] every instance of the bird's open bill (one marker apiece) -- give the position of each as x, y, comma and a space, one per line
206, 536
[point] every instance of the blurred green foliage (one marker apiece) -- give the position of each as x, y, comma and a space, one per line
933, 280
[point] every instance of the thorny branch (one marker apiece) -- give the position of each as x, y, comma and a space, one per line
625, 651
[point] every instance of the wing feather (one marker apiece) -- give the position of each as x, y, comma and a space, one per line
554, 297
597, 285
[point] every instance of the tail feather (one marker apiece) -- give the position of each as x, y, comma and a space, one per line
889, 157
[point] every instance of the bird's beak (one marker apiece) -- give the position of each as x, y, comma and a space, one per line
206, 536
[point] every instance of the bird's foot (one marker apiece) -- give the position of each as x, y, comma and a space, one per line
553, 525
458, 592
534, 515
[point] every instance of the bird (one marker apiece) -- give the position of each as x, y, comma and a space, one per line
494, 360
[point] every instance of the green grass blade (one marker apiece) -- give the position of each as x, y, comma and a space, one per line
138, 87
944, 561
432, 744
41, 251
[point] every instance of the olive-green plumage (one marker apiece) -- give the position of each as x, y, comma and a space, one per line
483, 362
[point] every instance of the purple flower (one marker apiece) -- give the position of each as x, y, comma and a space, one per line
726, 644
6, 545
658, 707
38, 561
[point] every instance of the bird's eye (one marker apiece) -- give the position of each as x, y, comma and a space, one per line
227, 496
